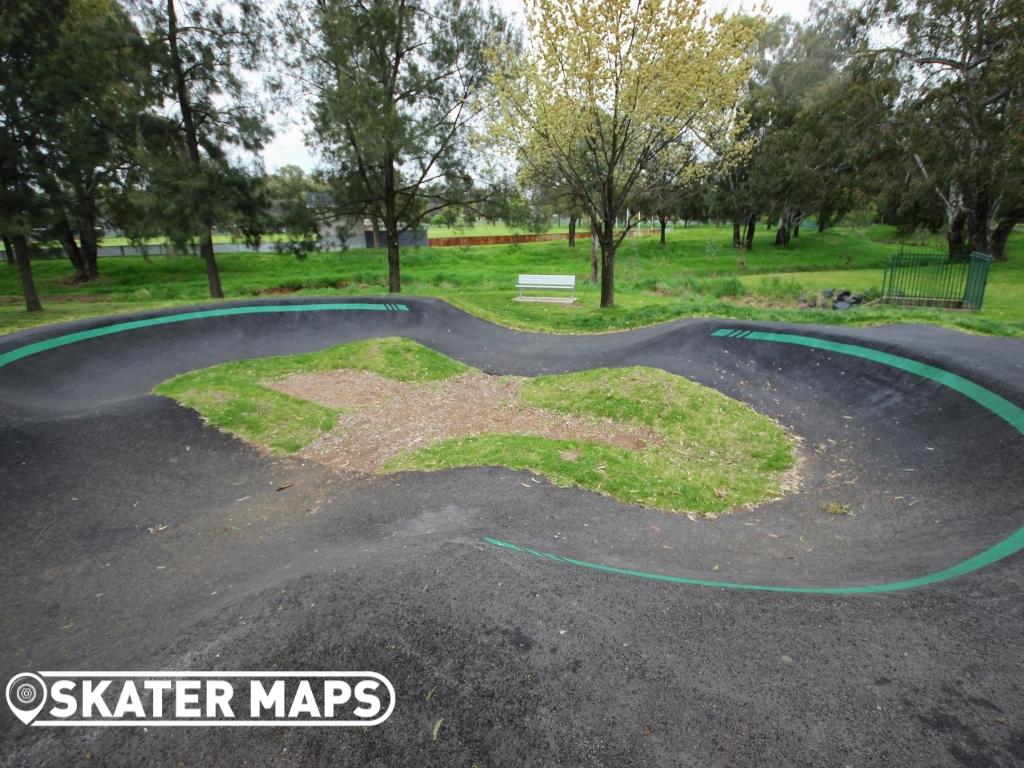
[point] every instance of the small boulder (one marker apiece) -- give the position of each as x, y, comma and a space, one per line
842, 305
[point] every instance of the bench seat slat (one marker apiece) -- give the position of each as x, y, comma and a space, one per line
560, 282
547, 283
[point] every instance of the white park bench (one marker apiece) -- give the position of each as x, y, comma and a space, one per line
547, 283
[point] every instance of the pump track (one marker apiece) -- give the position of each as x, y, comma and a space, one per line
523, 624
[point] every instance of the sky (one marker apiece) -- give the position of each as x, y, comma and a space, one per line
288, 145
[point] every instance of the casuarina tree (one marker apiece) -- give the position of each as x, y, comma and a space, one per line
203, 53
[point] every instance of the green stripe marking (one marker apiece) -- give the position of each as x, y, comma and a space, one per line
1000, 406
70, 338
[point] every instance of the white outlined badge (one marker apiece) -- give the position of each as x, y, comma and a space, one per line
201, 698
26, 696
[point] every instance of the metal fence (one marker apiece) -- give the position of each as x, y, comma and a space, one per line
936, 280
408, 239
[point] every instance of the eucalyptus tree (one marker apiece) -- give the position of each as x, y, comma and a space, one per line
629, 81
393, 86
804, 163
205, 55
963, 108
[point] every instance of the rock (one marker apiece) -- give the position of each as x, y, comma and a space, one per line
843, 295
807, 301
857, 298
842, 305
828, 293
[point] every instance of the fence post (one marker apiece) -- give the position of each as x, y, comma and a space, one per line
977, 278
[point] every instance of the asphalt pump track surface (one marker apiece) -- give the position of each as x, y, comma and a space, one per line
546, 626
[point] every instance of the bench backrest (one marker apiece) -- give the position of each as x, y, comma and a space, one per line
548, 281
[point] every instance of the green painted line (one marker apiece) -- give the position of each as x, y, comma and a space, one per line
70, 338
1008, 546
1000, 406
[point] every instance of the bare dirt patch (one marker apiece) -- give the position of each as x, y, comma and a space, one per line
383, 418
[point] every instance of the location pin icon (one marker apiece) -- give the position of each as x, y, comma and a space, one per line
26, 696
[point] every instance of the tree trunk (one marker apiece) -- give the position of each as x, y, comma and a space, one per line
192, 141
663, 220
593, 255
212, 273
74, 253
391, 228
572, 231
9, 252
824, 218
955, 235
977, 223
748, 236
796, 231
28, 284
736, 242
394, 266
789, 224
375, 223
608, 264
90, 248
999, 238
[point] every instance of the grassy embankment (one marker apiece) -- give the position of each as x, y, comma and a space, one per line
714, 453
696, 274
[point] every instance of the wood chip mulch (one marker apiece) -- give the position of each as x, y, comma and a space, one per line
383, 418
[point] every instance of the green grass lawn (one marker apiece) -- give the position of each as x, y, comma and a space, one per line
714, 453
696, 273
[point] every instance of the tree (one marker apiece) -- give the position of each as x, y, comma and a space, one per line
26, 37
393, 83
299, 204
530, 213
670, 184
98, 84
251, 206
202, 53
798, 98
626, 80
964, 109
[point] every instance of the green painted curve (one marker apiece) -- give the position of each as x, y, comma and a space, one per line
1000, 406
94, 333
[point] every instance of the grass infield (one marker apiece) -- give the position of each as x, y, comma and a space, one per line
712, 453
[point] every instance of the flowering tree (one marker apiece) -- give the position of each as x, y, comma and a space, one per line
606, 89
